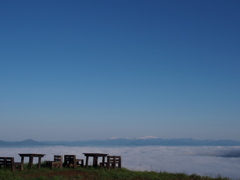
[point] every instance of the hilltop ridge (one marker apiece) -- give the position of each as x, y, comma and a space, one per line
142, 141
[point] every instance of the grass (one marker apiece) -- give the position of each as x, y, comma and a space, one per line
80, 173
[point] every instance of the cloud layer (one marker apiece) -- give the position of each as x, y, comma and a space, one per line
206, 160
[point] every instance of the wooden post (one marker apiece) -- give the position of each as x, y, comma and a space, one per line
39, 162
30, 161
86, 161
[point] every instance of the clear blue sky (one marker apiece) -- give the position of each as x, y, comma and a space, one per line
75, 70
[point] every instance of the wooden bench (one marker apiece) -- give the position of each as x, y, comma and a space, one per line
112, 162
56, 163
71, 161
8, 162
80, 162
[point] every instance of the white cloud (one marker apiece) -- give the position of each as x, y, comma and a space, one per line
199, 160
147, 137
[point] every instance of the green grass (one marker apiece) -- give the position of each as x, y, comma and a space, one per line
45, 173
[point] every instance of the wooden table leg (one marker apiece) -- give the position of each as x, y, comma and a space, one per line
103, 160
5, 162
22, 159
95, 161
86, 165
30, 162
39, 162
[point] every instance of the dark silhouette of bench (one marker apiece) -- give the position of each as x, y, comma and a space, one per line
112, 162
71, 161
56, 163
8, 162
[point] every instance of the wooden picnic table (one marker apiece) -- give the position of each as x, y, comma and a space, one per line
31, 156
95, 158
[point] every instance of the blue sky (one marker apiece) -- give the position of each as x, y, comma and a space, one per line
75, 70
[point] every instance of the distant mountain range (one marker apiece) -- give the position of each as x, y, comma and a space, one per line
145, 141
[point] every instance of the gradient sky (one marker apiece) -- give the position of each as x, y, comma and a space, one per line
76, 70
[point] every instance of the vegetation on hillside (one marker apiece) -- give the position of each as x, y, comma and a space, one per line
80, 173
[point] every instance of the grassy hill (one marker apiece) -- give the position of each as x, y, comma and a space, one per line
80, 173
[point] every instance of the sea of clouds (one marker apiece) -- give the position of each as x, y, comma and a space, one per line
201, 160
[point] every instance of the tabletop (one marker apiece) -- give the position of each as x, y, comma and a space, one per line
31, 154
95, 154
